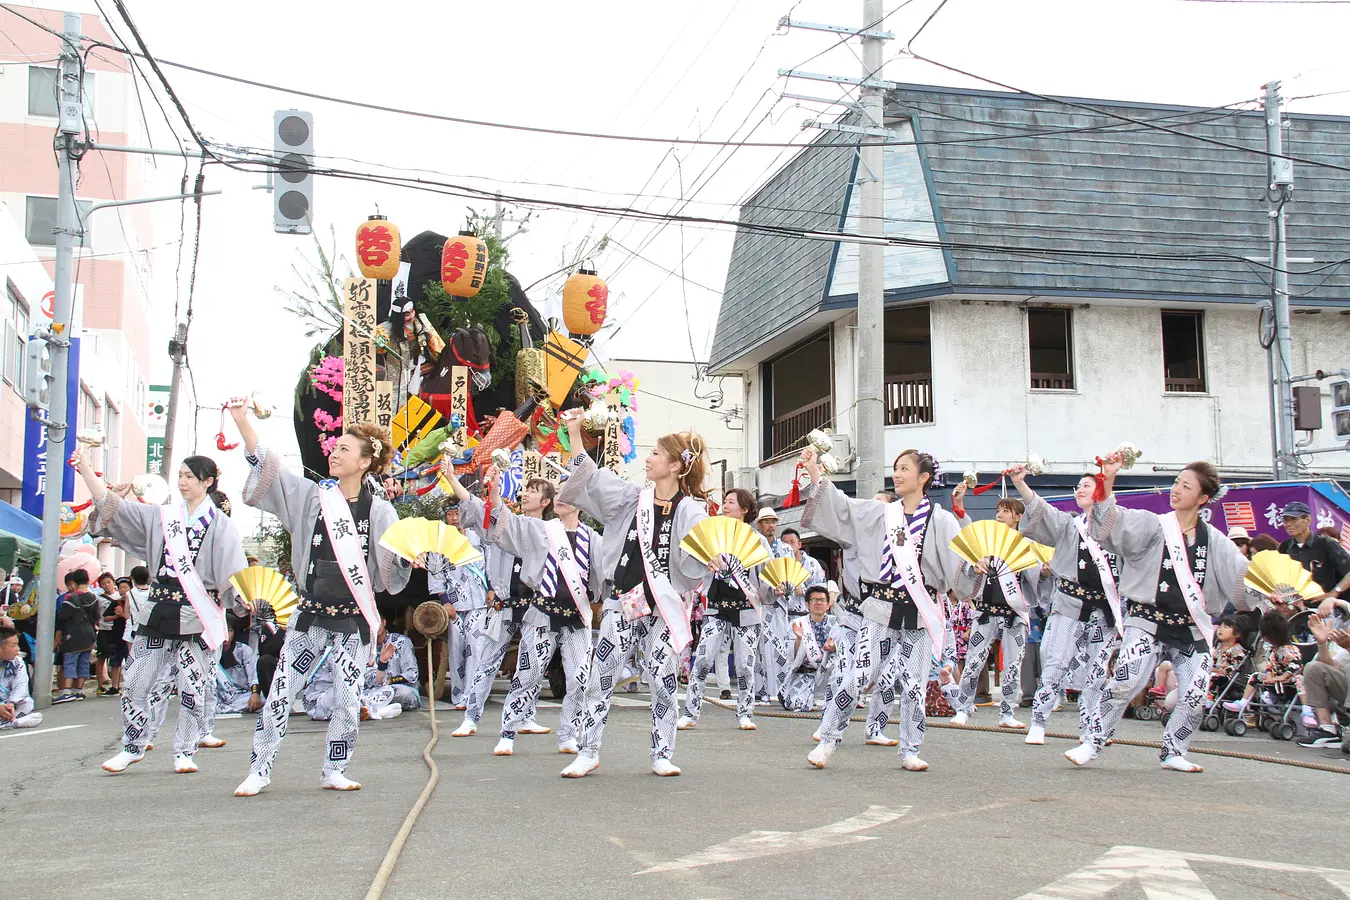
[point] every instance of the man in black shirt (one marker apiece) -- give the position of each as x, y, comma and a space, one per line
1327, 560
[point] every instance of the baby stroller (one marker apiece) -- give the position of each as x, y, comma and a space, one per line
1221, 689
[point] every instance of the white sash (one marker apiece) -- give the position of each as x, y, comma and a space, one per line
175, 541
1012, 593
907, 562
812, 649
1103, 571
568, 570
668, 602
1181, 566
337, 513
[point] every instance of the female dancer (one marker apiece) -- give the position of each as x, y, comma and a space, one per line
903, 563
734, 614
510, 596
335, 529
1085, 620
1176, 571
197, 550
649, 572
555, 561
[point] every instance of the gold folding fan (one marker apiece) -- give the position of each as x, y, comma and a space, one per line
990, 537
455, 547
784, 570
411, 537
1044, 552
723, 534
261, 584
1272, 573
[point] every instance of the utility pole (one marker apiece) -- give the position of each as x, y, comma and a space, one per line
177, 352
57, 338
1280, 190
871, 419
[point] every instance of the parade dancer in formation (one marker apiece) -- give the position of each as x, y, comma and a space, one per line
335, 529
1085, 617
1003, 603
903, 563
509, 596
775, 639
556, 563
733, 616
1176, 571
196, 549
818, 636
463, 591
393, 677
649, 571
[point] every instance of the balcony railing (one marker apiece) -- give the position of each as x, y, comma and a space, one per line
909, 399
791, 428
1184, 385
1051, 381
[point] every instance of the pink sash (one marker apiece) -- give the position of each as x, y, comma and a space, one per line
337, 520
1103, 571
568, 569
907, 563
668, 602
1181, 567
1012, 592
175, 541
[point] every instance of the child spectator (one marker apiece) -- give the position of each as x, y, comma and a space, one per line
75, 620
16, 705
108, 642
1283, 661
1229, 655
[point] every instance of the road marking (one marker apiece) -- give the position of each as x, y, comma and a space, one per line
26, 733
775, 843
1163, 875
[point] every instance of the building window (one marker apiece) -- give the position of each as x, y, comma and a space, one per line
42, 92
799, 396
908, 365
112, 441
1050, 345
1183, 339
15, 334
39, 224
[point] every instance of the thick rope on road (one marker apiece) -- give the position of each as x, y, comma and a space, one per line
431, 626
1124, 742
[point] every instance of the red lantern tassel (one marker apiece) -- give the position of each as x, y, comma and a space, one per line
1099, 492
83, 506
794, 497
977, 491
549, 445
221, 444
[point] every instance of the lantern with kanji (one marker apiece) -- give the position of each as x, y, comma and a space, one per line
378, 248
585, 299
463, 264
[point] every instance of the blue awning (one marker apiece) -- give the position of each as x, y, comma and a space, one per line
19, 523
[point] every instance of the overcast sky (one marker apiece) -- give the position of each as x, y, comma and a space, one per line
695, 69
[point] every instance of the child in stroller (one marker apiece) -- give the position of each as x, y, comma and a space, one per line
1275, 687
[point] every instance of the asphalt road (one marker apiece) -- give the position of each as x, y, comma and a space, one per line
992, 818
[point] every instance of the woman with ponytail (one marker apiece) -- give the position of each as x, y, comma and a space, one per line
649, 573
335, 528
902, 564
1177, 571
195, 549
734, 615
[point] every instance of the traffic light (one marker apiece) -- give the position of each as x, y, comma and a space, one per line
293, 190
37, 375
1340, 409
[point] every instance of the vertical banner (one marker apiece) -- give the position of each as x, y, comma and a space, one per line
156, 420
384, 403
611, 455
459, 405
358, 352
41, 461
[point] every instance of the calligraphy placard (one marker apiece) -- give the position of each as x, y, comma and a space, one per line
532, 466
358, 352
459, 404
384, 403
553, 473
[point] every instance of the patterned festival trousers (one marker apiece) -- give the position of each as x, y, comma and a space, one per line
159, 662
1067, 646
616, 640
537, 645
717, 633
880, 650
1012, 631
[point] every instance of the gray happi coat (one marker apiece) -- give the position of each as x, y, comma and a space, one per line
860, 525
614, 502
1136, 537
1054, 527
527, 538
764, 594
138, 528
497, 562
295, 501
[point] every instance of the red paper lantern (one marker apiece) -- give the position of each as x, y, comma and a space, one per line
464, 261
585, 300
377, 248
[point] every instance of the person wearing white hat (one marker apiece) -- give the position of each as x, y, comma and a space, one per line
1240, 536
